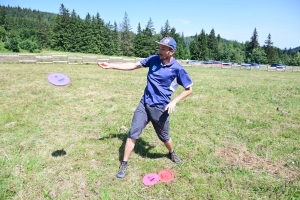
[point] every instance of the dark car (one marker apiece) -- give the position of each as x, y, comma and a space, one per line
208, 62
217, 63
255, 65
279, 66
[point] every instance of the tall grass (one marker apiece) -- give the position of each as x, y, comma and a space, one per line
237, 134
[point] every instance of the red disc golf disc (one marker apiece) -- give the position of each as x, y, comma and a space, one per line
165, 175
150, 179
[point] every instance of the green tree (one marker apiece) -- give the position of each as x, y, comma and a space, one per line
60, 30
296, 59
79, 35
253, 44
115, 40
126, 37
43, 32
212, 45
202, 42
285, 58
198, 47
150, 26
151, 37
220, 47
179, 53
12, 44
166, 30
99, 29
2, 16
239, 52
228, 49
194, 49
29, 45
2, 33
278, 54
186, 51
258, 55
90, 40
74, 29
138, 42
272, 56
144, 42
111, 42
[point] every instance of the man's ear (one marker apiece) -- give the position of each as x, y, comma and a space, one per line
172, 51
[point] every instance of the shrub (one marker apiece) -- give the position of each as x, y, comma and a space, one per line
12, 44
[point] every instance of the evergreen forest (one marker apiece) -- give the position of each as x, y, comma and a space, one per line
23, 29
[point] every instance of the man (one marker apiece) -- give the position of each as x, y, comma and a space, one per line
164, 75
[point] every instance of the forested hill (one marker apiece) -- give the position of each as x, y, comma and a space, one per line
17, 17
24, 29
297, 49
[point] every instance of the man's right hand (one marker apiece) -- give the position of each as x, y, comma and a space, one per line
104, 65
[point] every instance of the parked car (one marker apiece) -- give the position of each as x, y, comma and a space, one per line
217, 63
227, 63
255, 65
208, 62
278, 66
252, 65
193, 62
245, 64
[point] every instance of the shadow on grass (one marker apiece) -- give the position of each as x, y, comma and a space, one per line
60, 152
141, 148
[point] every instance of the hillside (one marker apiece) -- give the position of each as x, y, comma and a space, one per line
24, 29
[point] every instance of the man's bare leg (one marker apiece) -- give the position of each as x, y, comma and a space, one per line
129, 146
169, 145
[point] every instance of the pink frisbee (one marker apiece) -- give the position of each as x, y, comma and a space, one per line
58, 79
150, 179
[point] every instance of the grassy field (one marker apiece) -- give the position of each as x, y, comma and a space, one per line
238, 135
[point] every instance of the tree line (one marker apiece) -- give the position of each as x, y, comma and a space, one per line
23, 29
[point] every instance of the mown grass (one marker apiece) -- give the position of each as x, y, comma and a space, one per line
238, 135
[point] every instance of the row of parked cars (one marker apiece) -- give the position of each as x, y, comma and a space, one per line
247, 65
256, 65
213, 62
216, 62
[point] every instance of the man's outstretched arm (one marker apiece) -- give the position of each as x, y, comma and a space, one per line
120, 66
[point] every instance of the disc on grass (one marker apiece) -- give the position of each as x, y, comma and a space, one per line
58, 79
165, 175
150, 179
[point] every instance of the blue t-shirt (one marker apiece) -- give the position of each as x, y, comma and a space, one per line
163, 80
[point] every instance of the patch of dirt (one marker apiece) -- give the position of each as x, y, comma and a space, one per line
19, 170
124, 129
10, 124
241, 157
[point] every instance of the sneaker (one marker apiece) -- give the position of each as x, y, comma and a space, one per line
122, 170
174, 157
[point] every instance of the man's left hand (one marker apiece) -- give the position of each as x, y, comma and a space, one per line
170, 107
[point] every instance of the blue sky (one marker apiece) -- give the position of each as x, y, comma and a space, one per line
232, 19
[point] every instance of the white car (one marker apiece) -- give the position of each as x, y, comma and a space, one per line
227, 63
193, 62
245, 64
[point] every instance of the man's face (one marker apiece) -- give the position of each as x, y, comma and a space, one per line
165, 52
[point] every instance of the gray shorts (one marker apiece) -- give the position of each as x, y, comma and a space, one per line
159, 118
